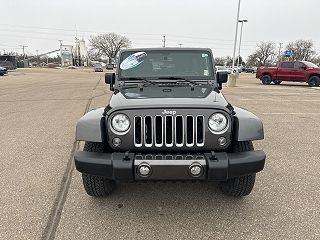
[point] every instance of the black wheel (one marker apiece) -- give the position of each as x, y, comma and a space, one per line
1, 74
96, 186
314, 81
266, 79
243, 185
277, 82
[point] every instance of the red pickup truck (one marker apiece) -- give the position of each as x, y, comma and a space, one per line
295, 71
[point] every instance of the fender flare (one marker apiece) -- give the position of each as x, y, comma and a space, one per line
89, 126
247, 126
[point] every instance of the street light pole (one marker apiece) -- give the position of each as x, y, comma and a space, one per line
241, 21
235, 37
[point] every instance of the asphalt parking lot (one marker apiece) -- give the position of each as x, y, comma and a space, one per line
42, 195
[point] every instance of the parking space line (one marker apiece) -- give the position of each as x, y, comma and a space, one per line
282, 100
291, 113
56, 210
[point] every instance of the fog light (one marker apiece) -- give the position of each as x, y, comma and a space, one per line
222, 141
195, 170
116, 142
144, 170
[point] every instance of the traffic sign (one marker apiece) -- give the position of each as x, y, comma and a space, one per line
288, 53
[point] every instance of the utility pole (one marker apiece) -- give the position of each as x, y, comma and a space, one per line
279, 56
61, 52
164, 41
23, 47
180, 44
241, 21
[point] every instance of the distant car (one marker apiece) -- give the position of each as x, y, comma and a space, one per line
250, 69
235, 69
3, 71
98, 68
110, 66
223, 69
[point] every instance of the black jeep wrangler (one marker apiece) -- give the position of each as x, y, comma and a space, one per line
168, 120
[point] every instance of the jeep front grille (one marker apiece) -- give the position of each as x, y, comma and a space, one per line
169, 131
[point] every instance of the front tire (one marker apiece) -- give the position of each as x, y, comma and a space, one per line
243, 185
266, 79
314, 81
96, 186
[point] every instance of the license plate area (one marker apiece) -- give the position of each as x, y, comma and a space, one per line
170, 167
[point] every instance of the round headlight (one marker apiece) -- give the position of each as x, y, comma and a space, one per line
120, 123
218, 122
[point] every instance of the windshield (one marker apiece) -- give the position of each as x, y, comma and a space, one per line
155, 64
310, 64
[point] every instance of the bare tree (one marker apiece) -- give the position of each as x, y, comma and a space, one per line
316, 60
220, 61
302, 49
226, 61
108, 45
263, 54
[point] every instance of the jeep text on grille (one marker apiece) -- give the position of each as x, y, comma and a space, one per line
167, 120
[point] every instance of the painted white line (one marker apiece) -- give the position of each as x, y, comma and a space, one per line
291, 113
281, 100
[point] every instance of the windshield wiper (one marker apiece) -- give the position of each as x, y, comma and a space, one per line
142, 80
180, 80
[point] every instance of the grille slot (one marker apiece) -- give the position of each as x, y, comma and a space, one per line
200, 131
158, 131
189, 131
169, 131
148, 131
179, 130
138, 131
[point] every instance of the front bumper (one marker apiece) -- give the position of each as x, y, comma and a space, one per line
124, 167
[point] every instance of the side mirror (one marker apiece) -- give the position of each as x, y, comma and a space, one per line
304, 68
109, 78
222, 77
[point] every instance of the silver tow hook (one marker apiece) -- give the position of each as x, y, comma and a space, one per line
144, 170
195, 169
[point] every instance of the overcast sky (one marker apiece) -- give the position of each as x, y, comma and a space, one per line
194, 23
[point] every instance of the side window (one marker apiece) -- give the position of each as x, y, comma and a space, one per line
299, 65
287, 65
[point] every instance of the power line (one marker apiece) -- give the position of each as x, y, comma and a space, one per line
99, 32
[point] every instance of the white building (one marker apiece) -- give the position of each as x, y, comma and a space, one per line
80, 53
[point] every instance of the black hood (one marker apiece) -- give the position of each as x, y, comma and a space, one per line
159, 97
